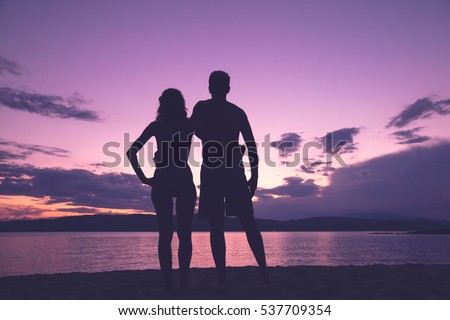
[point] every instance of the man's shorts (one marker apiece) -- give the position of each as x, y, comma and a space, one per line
224, 190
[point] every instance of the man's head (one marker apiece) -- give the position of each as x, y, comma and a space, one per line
219, 83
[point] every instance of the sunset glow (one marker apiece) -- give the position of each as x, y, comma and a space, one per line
77, 75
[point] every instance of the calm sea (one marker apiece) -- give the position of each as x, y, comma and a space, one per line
42, 253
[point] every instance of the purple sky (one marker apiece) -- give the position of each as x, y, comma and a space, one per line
75, 75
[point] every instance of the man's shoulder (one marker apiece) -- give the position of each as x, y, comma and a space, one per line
201, 104
236, 112
199, 108
236, 108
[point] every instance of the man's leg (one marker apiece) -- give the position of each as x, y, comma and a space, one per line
255, 241
212, 207
217, 239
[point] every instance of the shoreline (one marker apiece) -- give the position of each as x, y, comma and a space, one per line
371, 282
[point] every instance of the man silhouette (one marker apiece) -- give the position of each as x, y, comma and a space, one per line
223, 186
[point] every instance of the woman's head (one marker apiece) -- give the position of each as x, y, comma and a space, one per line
171, 106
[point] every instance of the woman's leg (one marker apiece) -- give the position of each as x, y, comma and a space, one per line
185, 204
163, 204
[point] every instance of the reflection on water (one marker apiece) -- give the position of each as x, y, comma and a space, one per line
30, 253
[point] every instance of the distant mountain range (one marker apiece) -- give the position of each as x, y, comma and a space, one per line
146, 222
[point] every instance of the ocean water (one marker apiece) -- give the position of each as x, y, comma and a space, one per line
44, 253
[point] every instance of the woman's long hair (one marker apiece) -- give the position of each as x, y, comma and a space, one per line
171, 106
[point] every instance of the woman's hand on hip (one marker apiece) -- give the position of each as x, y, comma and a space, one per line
148, 181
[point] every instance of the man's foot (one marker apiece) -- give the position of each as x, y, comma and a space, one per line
221, 279
168, 286
265, 274
183, 280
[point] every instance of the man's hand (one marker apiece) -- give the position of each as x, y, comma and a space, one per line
148, 181
252, 185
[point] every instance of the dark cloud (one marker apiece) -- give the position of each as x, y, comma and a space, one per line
319, 163
96, 164
8, 66
293, 187
406, 134
418, 139
6, 156
22, 151
47, 105
317, 166
75, 187
421, 109
288, 144
409, 136
80, 210
414, 182
306, 169
290, 201
19, 212
340, 141
326, 170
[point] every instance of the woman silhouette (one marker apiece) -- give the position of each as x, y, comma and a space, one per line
172, 179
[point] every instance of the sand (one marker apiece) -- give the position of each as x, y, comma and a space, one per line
400, 282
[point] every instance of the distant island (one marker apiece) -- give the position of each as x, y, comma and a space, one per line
430, 231
148, 222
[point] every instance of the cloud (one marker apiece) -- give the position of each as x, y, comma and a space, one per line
80, 210
421, 109
340, 141
409, 136
76, 187
47, 105
318, 166
293, 187
327, 170
418, 139
7, 156
288, 201
8, 66
19, 212
288, 144
22, 151
97, 164
306, 169
414, 182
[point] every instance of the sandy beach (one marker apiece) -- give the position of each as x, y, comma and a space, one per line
303, 282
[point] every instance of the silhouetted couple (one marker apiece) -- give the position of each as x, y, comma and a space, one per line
223, 184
